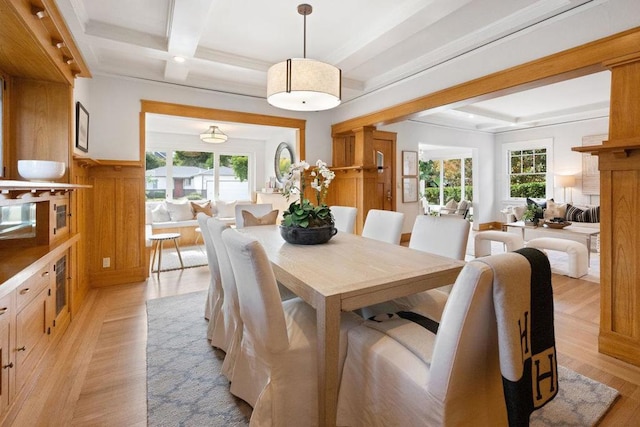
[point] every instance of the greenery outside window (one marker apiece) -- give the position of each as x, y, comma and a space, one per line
528, 173
447, 179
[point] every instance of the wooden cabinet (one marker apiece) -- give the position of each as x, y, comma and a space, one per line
7, 364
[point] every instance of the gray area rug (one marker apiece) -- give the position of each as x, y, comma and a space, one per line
185, 387
192, 256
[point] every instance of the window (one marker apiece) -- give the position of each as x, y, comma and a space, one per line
447, 179
527, 169
196, 175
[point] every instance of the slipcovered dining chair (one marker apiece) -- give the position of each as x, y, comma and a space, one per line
344, 218
278, 340
256, 209
227, 335
446, 235
474, 368
213, 305
382, 225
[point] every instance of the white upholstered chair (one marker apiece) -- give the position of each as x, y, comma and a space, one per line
344, 218
213, 306
382, 225
445, 235
278, 340
257, 209
226, 336
497, 325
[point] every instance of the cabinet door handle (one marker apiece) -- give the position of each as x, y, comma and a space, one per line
45, 274
24, 291
3, 310
10, 365
23, 348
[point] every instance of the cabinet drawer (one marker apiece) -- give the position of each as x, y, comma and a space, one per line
27, 291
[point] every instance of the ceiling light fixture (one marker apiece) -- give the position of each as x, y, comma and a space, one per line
214, 135
179, 59
302, 84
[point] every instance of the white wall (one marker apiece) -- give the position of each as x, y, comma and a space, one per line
114, 107
412, 134
564, 160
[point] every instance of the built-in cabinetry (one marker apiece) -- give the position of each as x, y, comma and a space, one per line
364, 163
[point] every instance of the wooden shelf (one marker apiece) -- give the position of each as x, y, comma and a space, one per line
23, 190
88, 162
620, 148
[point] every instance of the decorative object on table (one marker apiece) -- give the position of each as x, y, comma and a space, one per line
532, 214
82, 128
41, 170
304, 223
558, 223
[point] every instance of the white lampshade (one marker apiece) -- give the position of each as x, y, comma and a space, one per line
302, 84
214, 135
565, 181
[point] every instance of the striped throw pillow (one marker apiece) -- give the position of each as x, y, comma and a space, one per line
591, 215
573, 213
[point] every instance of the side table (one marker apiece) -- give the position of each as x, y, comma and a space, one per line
157, 240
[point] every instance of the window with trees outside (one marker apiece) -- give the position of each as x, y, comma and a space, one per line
196, 175
528, 173
447, 179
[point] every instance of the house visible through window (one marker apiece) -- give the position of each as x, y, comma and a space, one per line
196, 175
528, 173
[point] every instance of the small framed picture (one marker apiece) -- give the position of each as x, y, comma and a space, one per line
82, 128
409, 189
410, 163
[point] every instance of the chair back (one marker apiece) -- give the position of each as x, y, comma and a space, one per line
214, 296
344, 218
257, 209
385, 226
445, 235
260, 304
465, 372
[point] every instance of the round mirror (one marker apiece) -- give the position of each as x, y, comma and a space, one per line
284, 159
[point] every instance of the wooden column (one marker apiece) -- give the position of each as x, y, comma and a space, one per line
619, 163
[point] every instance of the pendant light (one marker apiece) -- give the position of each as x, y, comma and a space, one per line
302, 84
213, 135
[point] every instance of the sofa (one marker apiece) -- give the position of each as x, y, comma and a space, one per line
173, 216
582, 216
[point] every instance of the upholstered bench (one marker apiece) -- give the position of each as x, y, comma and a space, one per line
577, 253
483, 239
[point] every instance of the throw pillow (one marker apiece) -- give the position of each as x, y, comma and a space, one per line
205, 208
451, 205
573, 213
179, 211
555, 210
591, 215
518, 211
226, 209
268, 219
160, 213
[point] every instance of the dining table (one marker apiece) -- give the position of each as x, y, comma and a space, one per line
344, 274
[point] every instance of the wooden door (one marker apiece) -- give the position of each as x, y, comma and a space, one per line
384, 144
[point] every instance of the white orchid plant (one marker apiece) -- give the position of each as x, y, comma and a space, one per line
303, 213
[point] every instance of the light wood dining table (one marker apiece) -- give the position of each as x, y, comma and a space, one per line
347, 273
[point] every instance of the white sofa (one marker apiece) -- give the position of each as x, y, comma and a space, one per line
179, 217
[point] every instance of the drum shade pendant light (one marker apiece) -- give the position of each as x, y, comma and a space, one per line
214, 135
302, 84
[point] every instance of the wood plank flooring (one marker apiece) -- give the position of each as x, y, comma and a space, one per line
96, 374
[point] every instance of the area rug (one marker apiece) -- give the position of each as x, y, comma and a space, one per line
185, 387
192, 256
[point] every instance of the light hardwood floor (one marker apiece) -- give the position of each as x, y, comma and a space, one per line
96, 374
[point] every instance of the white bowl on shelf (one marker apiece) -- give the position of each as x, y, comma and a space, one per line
41, 170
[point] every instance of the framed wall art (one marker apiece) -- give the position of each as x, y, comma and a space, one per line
410, 163
82, 128
409, 189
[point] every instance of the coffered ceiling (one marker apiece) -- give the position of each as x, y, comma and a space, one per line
228, 46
